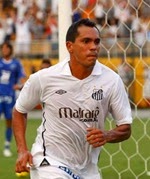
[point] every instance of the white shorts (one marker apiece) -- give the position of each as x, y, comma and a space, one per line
62, 172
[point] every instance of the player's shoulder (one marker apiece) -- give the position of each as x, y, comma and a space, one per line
54, 69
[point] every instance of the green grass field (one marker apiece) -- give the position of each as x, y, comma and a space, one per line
7, 165
127, 160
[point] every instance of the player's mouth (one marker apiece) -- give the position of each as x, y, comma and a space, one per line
92, 55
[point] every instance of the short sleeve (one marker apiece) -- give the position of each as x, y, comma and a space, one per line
119, 104
30, 94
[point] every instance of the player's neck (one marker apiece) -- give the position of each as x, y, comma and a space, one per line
79, 71
7, 58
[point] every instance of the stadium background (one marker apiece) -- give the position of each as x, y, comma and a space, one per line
32, 27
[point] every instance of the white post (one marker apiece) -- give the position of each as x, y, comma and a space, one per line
64, 21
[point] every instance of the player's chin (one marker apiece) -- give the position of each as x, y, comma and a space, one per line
92, 61
92, 58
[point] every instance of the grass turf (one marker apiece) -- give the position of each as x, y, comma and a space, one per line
127, 160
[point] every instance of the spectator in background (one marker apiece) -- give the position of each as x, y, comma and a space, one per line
135, 20
99, 12
22, 7
41, 4
51, 27
145, 8
23, 35
32, 17
10, 25
12, 78
77, 14
139, 27
112, 31
54, 6
6, 4
140, 36
45, 63
38, 28
109, 8
88, 10
122, 13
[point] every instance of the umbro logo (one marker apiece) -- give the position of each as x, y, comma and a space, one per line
61, 92
44, 163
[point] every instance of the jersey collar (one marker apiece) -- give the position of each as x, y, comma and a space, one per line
6, 61
97, 70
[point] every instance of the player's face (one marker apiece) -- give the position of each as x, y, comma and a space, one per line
6, 51
84, 51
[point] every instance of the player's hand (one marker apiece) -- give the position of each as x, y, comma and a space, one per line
96, 137
24, 162
17, 87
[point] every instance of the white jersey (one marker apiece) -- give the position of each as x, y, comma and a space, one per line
70, 106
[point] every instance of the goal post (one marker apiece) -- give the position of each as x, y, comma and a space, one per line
64, 21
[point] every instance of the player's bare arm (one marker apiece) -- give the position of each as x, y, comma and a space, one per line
19, 85
98, 138
19, 127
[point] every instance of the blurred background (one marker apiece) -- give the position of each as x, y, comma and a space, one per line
32, 27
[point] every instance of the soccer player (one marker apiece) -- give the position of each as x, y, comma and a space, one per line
77, 94
12, 78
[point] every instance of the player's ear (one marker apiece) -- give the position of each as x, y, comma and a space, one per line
69, 46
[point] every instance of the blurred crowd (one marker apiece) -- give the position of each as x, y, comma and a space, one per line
117, 18
25, 20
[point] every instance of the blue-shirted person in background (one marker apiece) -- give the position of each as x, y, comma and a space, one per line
12, 78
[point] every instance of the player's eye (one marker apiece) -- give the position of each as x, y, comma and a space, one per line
97, 41
86, 40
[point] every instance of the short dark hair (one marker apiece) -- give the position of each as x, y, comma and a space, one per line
9, 45
72, 32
